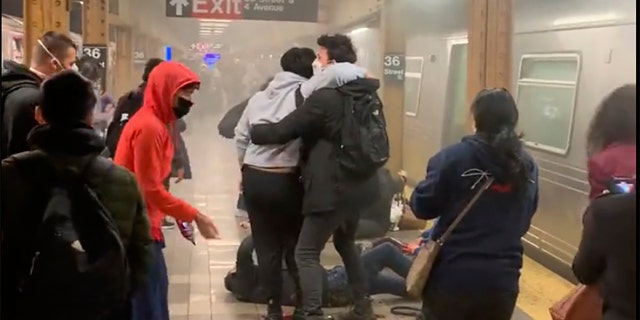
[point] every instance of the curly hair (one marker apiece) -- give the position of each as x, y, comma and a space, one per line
614, 120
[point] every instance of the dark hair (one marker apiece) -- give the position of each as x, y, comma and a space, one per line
57, 43
151, 63
339, 47
614, 120
88, 68
67, 98
298, 61
496, 117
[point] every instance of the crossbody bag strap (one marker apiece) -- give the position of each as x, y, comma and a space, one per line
466, 210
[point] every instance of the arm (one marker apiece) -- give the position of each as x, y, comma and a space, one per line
138, 252
332, 76
149, 154
429, 195
305, 119
241, 135
589, 262
19, 118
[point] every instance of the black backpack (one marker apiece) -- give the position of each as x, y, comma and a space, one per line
126, 107
78, 268
364, 144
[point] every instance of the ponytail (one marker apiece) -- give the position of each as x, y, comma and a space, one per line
507, 146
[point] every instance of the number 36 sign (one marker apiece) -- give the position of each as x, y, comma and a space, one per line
394, 65
98, 53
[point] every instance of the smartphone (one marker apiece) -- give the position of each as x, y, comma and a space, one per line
621, 185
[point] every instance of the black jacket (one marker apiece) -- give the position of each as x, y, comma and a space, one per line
607, 254
18, 116
230, 120
126, 106
318, 122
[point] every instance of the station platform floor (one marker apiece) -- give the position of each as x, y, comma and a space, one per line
196, 273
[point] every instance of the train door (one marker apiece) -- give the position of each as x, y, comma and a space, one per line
456, 110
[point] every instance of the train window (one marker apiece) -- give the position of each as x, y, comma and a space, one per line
456, 112
546, 96
412, 85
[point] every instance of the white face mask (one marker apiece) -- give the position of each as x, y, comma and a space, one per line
317, 66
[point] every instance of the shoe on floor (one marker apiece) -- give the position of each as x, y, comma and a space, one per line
167, 224
361, 310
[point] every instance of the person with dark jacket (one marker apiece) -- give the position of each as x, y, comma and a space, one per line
126, 106
331, 203
375, 218
68, 140
476, 274
607, 253
611, 140
53, 53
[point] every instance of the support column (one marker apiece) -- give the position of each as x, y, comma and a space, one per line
124, 60
499, 37
41, 16
393, 46
95, 35
490, 25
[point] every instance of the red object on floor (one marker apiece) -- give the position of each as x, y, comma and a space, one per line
287, 317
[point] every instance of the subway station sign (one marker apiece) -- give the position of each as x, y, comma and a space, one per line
271, 10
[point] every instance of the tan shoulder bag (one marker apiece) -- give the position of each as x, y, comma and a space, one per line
422, 264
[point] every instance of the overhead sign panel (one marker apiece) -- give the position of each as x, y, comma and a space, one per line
271, 10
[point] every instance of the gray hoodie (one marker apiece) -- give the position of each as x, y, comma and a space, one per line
275, 103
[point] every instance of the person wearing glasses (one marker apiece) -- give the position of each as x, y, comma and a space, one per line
53, 52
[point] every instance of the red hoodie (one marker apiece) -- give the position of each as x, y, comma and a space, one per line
145, 146
615, 161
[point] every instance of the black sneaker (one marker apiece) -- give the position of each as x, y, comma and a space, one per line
167, 224
361, 310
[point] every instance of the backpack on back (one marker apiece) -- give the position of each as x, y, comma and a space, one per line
364, 146
78, 268
126, 107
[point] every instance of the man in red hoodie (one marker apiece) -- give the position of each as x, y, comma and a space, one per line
146, 148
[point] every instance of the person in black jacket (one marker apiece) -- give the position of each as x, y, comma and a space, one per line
126, 106
608, 251
53, 53
331, 202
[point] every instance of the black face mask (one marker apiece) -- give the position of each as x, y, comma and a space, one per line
182, 107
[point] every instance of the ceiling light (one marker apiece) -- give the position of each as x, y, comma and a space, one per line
215, 20
213, 24
358, 30
596, 18
218, 31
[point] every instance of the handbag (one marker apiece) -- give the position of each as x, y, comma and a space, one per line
581, 303
423, 262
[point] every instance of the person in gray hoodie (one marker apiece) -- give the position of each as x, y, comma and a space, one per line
270, 173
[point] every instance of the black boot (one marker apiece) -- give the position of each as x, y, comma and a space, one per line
274, 311
361, 310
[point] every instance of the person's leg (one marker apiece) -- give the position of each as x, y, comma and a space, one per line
165, 222
386, 255
262, 215
149, 303
344, 242
315, 232
292, 223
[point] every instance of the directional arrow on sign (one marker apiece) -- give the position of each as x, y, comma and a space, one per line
179, 4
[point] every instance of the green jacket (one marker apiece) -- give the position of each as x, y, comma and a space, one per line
117, 189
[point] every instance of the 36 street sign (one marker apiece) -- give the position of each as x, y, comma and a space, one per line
99, 54
393, 67
275, 10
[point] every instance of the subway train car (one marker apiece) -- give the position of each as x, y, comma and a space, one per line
566, 56
12, 34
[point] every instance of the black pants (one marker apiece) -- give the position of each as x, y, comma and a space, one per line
481, 306
316, 231
274, 204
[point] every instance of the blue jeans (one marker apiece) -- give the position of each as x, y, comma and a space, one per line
386, 255
151, 302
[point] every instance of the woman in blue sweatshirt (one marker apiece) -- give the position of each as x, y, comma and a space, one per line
476, 274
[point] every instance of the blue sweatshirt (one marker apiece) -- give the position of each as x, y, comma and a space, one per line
484, 253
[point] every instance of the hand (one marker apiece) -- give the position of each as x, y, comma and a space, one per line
180, 175
206, 227
403, 176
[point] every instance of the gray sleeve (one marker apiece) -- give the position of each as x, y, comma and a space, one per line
332, 76
242, 136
